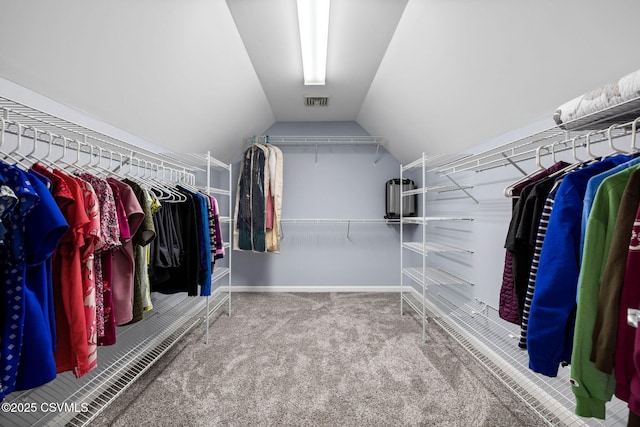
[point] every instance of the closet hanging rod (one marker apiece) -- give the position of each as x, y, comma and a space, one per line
320, 140
55, 138
590, 138
600, 120
331, 220
30, 117
522, 151
202, 159
58, 140
93, 150
502, 152
432, 161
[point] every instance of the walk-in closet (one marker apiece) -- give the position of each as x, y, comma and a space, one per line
320, 213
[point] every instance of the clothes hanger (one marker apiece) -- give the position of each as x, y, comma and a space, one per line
587, 141
575, 165
634, 125
46, 159
508, 190
148, 180
176, 180
28, 156
574, 151
614, 150
61, 163
166, 193
175, 196
74, 166
95, 168
163, 195
81, 167
12, 154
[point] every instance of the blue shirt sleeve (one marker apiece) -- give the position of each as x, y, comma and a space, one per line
550, 332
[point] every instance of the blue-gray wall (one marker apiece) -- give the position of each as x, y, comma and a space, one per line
343, 184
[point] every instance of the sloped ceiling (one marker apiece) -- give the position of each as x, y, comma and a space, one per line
428, 75
458, 73
172, 72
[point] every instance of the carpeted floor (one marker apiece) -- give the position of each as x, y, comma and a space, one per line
325, 359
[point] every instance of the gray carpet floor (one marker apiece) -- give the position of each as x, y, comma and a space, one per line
318, 359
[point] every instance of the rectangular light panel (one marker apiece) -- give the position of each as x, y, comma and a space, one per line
313, 22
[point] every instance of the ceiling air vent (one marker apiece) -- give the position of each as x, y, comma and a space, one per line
316, 101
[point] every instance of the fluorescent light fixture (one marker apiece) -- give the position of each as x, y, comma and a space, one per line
313, 21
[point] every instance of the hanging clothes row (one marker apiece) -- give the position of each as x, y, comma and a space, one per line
81, 253
571, 275
259, 201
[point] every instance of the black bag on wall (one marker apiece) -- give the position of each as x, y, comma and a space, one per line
394, 196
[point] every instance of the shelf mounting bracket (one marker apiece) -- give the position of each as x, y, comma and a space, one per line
462, 189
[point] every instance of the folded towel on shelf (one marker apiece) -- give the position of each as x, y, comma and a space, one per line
603, 100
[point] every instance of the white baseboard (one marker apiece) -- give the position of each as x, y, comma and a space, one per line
312, 288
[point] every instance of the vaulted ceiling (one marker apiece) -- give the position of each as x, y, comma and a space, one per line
428, 75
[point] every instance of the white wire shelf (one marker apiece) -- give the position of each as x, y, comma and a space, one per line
202, 160
446, 188
220, 191
139, 345
435, 189
602, 119
498, 339
32, 119
219, 273
420, 190
433, 161
426, 219
414, 301
433, 276
334, 221
427, 247
555, 139
319, 140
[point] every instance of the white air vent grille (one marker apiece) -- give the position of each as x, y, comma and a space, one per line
316, 101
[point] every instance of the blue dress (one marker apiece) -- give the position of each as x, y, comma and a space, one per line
44, 228
13, 272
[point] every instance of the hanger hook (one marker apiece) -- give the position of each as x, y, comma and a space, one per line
78, 149
573, 148
48, 155
553, 151
51, 138
588, 143
538, 155
35, 141
2, 130
17, 147
633, 133
65, 142
99, 156
90, 155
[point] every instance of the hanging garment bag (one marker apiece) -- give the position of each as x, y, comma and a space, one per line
394, 195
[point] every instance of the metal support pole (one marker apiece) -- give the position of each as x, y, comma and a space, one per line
461, 188
206, 340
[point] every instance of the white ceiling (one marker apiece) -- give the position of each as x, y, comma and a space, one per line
359, 33
429, 75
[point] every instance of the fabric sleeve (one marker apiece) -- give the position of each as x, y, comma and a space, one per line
591, 387
44, 241
605, 329
626, 374
550, 329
